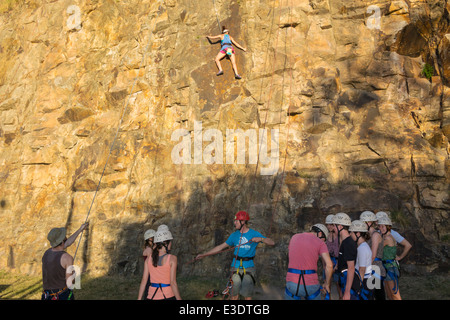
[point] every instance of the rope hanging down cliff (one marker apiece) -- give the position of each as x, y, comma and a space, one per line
125, 107
217, 15
237, 247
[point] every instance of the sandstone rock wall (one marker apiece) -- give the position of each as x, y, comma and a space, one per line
360, 125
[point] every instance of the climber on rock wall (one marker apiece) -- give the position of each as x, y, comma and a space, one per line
226, 42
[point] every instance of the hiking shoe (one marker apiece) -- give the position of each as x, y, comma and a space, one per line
219, 73
237, 77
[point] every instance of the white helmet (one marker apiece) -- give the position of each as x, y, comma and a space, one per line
358, 226
368, 216
381, 214
329, 219
163, 234
150, 233
342, 219
163, 227
322, 228
385, 220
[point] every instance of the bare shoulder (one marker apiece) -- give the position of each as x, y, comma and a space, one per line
147, 252
66, 260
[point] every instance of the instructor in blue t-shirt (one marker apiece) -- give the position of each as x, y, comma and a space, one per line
245, 241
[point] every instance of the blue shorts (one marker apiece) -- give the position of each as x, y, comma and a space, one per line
224, 50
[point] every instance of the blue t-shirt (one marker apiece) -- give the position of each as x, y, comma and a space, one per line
397, 237
226, 42
243, 248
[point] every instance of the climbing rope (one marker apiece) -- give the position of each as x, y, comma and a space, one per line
260, 146
264, 126
260, 95
265, 122
125, 107
273, 62
217, 15
288, 125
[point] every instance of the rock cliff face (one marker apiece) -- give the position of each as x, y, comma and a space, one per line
354, 96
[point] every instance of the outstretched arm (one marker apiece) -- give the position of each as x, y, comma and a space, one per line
237, 44
214, 37
74, 236
267, 241
216, 249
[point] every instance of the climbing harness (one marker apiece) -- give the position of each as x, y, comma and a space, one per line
343, 282
301, 277
51, 295
376, 275
327, 294
159, 286
227, 45
241, 267
392, 274
366, 294
125, 107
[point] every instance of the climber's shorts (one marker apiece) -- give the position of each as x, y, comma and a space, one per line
243, 284
224, 50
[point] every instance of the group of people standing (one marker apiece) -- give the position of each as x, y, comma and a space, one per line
160, 275
159, 279
364, 256
359, 257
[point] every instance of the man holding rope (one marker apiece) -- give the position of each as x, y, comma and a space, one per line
56, 263
245, 241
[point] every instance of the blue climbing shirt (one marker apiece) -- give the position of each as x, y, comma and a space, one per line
226, 42
243, 248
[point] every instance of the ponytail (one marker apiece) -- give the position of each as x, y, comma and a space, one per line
155, 252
